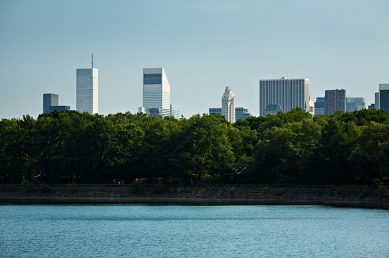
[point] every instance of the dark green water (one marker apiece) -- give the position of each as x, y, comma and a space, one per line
192, 231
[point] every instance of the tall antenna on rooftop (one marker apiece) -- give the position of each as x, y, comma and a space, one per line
92, 60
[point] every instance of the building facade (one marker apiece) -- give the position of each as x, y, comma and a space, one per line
311, 106
156, 90
215, 111
87, 90
272, 109
377, 100
228, 105
353, 104
335, 100
175, 111
49, 99
384, 97
287, 93
59, 108
320, 106
240, 112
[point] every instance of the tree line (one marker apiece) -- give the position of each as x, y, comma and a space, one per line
290, 147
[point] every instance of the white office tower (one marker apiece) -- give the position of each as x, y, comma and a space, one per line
88, 90
288, 93
156, 90
228, 105
311, 104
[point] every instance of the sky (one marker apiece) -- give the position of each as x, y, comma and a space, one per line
203, 46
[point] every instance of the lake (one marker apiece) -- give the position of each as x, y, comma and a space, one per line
192, 231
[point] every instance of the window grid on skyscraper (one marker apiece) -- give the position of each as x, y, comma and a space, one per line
288, 93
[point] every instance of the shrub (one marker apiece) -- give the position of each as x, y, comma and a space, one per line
279, 191
382, 190
73, 187
44, 188
159, 187
137, 186
364, 193
347, 190
27, 186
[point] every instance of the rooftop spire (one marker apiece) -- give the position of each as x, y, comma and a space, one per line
92, 60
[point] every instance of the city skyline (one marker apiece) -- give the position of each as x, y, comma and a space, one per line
335, 44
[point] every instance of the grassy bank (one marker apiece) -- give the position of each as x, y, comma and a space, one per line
372, 196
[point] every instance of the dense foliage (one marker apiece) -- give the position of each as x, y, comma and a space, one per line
291, 147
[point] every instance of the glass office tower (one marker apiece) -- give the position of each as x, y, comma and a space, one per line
320, 106
175, 111
353, 104
384, 97
49, 99
87, 87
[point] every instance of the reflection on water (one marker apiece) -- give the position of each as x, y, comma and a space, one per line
192, 231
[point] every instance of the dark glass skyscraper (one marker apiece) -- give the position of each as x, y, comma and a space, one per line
49, 99
384, 97
320, 106
335, 100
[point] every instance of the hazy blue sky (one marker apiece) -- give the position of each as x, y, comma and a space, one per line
203, 46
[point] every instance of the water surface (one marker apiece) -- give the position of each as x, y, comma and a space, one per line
192, 231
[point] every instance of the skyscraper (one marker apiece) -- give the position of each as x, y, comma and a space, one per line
287, 93
156, 90
335, 100
377, 100
228, 105
353, 104
310, 106
320, 106
87, 90
384, 97
175, 111
49, 99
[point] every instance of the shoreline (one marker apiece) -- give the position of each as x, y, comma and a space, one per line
157, 194
185, 201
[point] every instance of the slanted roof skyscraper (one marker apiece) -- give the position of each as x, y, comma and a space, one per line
156, 90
